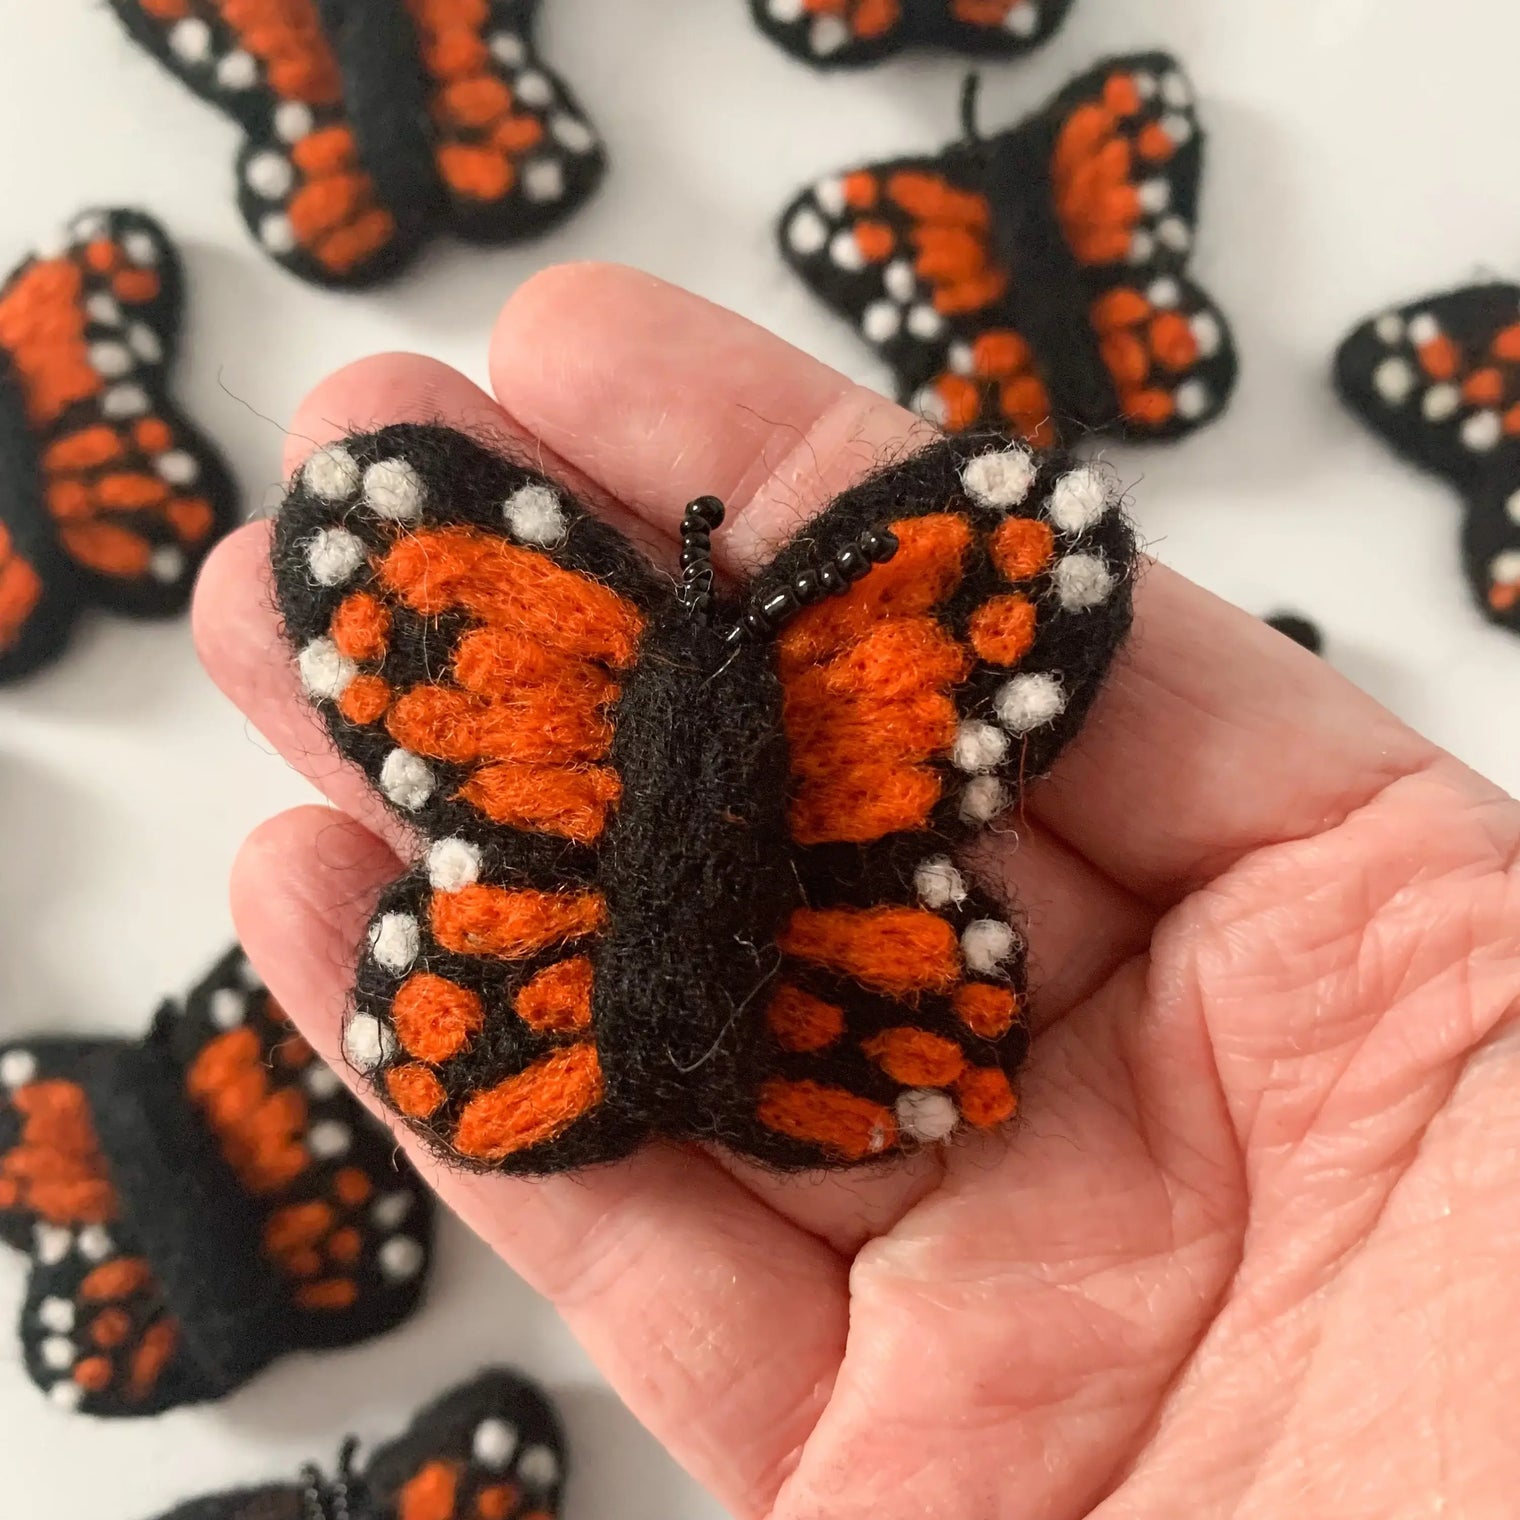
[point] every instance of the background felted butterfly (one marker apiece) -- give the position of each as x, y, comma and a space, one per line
1034, 281
490, 1450
197, 1204
1439, 380
845, 33
372, 126
687, 863
108, 496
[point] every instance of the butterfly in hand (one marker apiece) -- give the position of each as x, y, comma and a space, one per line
687, 862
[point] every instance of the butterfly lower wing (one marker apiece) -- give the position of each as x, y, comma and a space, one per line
906, 252
515, 151
916, 706
38, 598
492, 1449
307, 195
1122, 149
281, 1502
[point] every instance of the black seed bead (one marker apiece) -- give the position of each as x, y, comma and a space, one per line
707, 510
777, 605
756, 624
878, 545
695, 554
852, 563
805, 587
831, 580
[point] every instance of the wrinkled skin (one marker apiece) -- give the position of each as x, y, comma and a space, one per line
1253, 1249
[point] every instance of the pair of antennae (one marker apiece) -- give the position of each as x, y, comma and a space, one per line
769, 611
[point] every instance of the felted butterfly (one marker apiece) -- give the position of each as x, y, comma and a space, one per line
108, 496
846, 33
687, 865
372, 126
492, 1449
1439, 380
1035, 281
196, 1204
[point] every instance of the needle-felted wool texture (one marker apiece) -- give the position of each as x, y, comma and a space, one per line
687, 865
849, 33
373, 125
108, 496
1439, 380
1035, 281
196, 1204
492, 1449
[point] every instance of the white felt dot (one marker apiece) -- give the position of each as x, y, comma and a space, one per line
393, 490
1512, 507
51, 1243
406, 779
533, 89
1080, 499
277, 234
394, 940
1390, 328
321, 1082
961, 358
57, 1353
270, 175
112, 360
1504, 569
1176, 91
829, 193
494, 1445
1178, 127
123, 401
1155, 196
401, 1258
453, 864
900, 281
325, 671
807, 232
66, 1394
926, 1116
544, 180
191, 40
1207, 333
987, 944
1174, 233
228, 1007
293, 121
1142, 247
329, 1140
1082, 581
930, 405
145, 343
166, 564
95, 1243
1441, 403
925, 323
17, 1068
333, 555
1000, 480
238, 71
142, 248
1193, 400
1423, 329
938, 883
828, 35
390, 1210
845, 251
979, 747
331, 474
1029, 702
56, 1314
1394, 381
88, 227
104, 310
1482, 431
982, 799
1023, 20
785, 11
571, 133
881, 322
367, 1043
509, 48
1145, 85
178, 467
538, 1467
535, 516
1165, 293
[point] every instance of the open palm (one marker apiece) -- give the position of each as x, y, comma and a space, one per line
1252, 1249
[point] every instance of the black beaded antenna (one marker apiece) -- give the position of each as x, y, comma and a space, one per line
767, 614
324, 1500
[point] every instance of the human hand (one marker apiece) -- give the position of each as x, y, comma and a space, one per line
1250, 1250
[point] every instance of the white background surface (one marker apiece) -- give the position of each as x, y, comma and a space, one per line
1362, 152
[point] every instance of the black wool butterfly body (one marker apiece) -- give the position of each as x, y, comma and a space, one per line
492, 1449
1035, 281
1439, 381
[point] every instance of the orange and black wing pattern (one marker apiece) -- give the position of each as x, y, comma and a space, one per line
1439, 381
684, 864
197, 1204
852, 33
110, 496
371, 127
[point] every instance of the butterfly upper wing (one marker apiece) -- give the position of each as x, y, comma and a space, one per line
906, 251
118, 498
849, 33
493, 1449
1439, 381
915, 708
515, 152
303, 188
465, 629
